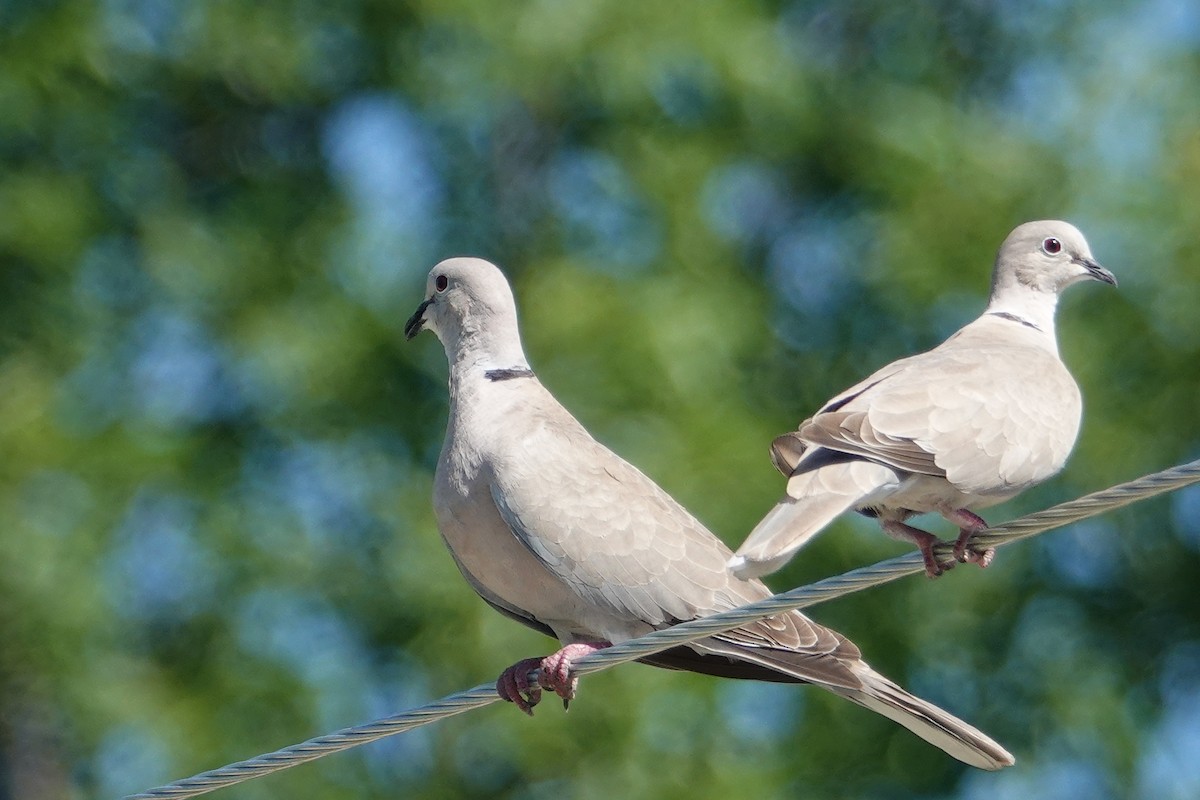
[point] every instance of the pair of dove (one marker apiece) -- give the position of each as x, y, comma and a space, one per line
555, 530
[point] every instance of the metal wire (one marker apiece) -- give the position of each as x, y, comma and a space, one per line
656, 641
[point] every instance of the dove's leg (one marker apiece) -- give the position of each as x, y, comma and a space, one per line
969, 524
924, 541
554, 673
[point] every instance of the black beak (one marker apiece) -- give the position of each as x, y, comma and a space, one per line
417, 320
1096, 271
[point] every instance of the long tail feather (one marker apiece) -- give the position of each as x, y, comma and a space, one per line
941, 729
785, 529
854, 680
814, 498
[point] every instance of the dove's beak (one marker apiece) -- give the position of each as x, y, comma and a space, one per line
417, 320
1096, 271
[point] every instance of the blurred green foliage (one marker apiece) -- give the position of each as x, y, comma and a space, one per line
215, 528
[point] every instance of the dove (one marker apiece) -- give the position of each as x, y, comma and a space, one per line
985, 415
554, 530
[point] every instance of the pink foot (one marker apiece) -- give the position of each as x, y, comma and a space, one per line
969, 524
513, 685
924, 541
554, 674
556, 669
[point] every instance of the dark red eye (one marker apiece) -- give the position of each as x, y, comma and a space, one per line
1052, 246
440, 282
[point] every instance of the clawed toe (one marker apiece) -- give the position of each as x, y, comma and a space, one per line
925, 542
969, 524
965, 551
553, 674
933, 565
514, 685
980, 555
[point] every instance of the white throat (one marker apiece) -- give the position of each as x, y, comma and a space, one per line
480, 350
1029, 307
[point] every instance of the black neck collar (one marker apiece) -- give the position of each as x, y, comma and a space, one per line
1014, 318
508, 373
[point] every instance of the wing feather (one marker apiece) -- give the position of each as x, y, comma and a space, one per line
991, 414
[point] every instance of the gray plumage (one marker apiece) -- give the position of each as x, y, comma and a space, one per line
553, 529
987, 414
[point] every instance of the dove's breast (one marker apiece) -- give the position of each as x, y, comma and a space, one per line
490, 554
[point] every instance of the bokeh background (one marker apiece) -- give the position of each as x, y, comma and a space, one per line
216, 449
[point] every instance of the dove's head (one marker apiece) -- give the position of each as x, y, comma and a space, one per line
469, 306
1046, 256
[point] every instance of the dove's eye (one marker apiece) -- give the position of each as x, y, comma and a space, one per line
1051, 246
440, 283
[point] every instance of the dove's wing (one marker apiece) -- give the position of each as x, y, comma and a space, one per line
990, 410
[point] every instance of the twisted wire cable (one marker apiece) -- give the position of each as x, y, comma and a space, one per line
826, 589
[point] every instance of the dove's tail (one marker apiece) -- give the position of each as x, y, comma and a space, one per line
814, 498
785, 529
850, 677
941, 729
